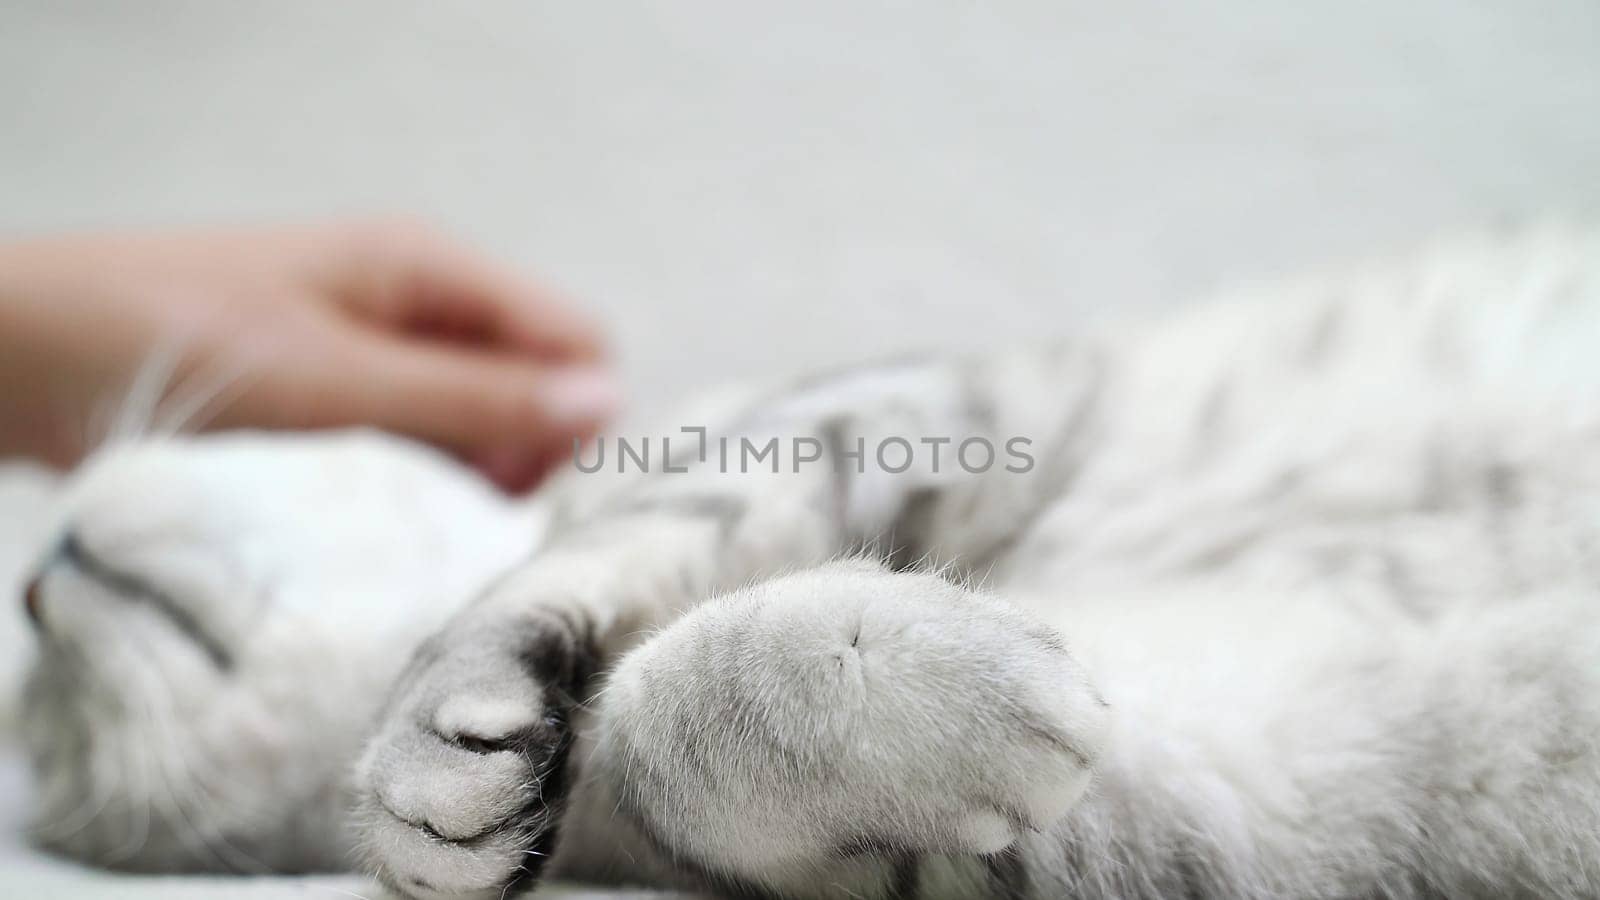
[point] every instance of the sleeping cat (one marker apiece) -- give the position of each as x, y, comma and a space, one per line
218, 619
1295, 595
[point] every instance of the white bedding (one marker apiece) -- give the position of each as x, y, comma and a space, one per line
27, 873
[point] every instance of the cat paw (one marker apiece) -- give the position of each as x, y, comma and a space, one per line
460, 791
847, 711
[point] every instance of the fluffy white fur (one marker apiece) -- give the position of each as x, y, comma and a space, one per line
1299, 601
319, 562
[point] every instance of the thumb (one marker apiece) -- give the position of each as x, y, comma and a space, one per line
471, 402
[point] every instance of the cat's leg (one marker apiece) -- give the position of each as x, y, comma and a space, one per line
463, 784
836, 731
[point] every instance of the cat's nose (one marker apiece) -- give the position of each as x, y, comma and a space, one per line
33, 599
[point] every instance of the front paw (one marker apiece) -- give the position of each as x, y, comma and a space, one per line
461, 790
846, 712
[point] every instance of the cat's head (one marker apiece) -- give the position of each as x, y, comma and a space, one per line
217, 618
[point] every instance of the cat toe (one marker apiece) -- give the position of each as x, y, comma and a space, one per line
847, 708
461, 790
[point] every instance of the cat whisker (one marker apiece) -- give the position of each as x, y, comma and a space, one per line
192, 406
67, 824
343, 892
128, 416
172, 807
213, 844
138, 835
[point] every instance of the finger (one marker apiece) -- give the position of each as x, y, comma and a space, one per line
517, 470
505, 310
464, 401
423, 282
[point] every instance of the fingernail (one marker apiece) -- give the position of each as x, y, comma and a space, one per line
574, 397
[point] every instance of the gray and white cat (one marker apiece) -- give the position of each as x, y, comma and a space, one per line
218, 619
1300, 596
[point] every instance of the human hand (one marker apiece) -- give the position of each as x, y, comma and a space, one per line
388, 325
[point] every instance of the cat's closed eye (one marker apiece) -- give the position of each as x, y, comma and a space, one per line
80, 565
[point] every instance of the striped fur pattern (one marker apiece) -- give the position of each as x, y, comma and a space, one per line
1299, 599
